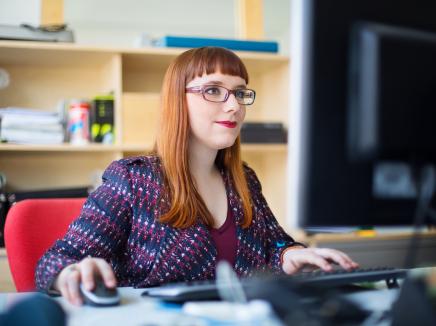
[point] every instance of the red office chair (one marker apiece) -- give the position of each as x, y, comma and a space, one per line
32, 226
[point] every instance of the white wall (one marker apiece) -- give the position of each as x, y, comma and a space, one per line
16, 12
120, 22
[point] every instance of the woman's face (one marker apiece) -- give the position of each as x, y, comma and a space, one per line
215, 125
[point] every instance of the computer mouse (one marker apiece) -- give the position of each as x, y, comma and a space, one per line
100, 296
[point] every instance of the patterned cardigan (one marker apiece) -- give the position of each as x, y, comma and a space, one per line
118, 222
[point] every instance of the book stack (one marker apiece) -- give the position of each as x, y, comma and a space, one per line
29, 126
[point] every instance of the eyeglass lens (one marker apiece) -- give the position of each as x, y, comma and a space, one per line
221, 94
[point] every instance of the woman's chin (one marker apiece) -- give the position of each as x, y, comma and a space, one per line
225, 144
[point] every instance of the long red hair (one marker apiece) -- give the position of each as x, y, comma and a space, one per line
172, 139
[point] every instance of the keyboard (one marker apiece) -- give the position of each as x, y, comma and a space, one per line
343, 277
207, 290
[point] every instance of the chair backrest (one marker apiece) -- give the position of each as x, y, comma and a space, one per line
32, 226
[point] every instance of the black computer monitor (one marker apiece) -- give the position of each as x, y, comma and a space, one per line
363, 81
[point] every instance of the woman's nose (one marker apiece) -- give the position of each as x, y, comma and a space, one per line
231, 103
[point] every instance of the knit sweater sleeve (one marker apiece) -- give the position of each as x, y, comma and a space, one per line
101, 229
277, 239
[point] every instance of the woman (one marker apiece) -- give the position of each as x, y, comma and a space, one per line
172, 215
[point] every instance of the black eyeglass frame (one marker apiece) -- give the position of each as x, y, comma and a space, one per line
200, 89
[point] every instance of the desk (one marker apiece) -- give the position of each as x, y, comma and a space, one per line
134, 310
137, 310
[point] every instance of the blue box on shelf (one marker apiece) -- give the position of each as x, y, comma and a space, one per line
232, 44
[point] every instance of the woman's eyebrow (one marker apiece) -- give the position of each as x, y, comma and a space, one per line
214, 82
220, 83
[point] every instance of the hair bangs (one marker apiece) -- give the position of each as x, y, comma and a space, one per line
209, 60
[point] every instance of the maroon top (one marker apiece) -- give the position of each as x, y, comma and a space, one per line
225, 239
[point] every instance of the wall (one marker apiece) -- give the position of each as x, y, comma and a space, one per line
15, 12
119, 23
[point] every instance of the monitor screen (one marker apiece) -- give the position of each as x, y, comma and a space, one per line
358, 68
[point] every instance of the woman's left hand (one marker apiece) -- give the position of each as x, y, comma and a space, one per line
294, 260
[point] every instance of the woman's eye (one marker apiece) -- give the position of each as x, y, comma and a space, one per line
240, 93
213, 91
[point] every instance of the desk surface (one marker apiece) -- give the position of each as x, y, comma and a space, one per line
133, 310
137, 310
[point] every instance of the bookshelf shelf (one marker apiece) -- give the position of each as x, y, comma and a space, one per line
42, 74
72, 148
264, 148
252, 148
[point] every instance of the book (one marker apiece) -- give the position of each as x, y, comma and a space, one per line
24, 136
232, 44
24, 116
30, 126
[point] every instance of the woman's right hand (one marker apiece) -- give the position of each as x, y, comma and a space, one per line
86, 271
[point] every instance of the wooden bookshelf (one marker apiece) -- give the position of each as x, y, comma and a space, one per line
42, 74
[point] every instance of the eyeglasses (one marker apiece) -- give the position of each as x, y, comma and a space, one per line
215, 93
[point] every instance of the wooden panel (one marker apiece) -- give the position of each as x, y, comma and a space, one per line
260, 63
52, 12
142, 82
249, 19
144, 72
270, 167
43, 87
53, 54
140, 116
40, 170
112, 81
257, 148
6, 282
272, 95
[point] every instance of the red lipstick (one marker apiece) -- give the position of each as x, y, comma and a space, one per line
228, 124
